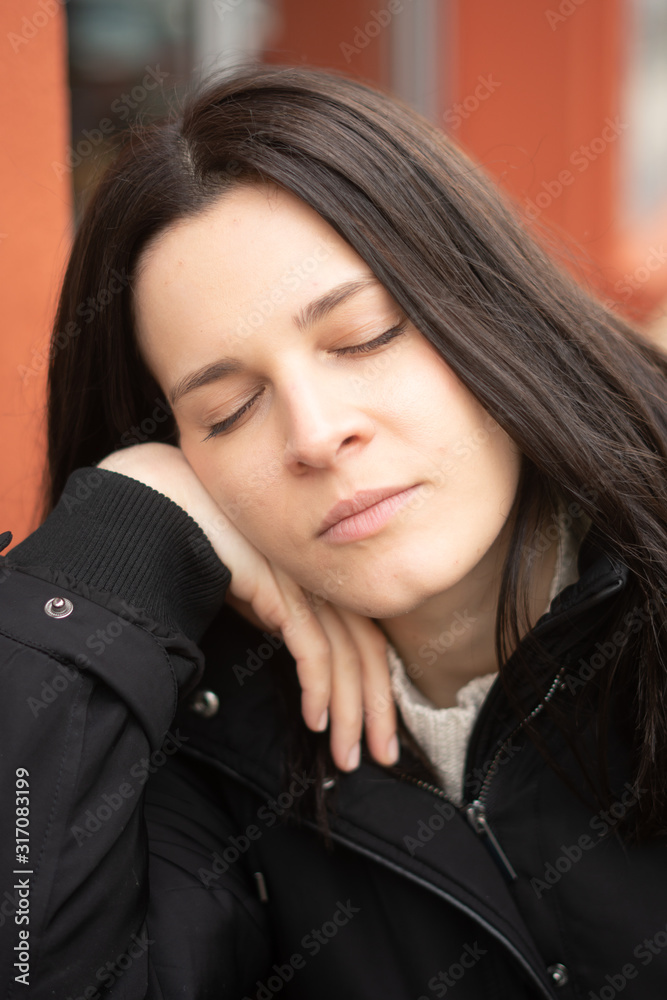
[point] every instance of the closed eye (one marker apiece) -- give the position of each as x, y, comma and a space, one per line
370, 345
224, 425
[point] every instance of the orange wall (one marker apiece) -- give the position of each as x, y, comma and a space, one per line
333, 35
522, 87
533, 90
551, 131
555, 81
34, 232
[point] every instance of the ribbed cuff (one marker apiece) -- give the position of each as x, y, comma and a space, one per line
116, 535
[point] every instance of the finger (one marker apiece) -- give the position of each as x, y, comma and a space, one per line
288, 606
245, 609
280, 604
346, 702
378, 700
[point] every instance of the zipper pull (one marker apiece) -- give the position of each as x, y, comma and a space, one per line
476, 814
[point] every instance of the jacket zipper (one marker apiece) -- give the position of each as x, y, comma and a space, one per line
392, 865
475, 811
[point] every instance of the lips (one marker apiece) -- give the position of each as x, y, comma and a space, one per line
359, 502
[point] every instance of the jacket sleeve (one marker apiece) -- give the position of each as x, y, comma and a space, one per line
101, 610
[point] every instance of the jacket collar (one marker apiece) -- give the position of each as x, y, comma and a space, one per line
249, 728
250, 725
567, 628
376, 814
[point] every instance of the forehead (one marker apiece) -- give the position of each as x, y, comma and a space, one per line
251, 240
247, 264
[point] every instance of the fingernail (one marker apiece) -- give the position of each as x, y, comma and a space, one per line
354, 757
323, 720
393, 750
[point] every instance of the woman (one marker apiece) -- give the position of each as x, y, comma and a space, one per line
335, 379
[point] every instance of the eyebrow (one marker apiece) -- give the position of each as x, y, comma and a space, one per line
305, 318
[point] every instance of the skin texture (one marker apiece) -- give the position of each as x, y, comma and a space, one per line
320, 424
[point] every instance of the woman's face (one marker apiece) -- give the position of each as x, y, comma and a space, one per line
297, 383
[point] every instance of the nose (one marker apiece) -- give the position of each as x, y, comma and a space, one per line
322, 424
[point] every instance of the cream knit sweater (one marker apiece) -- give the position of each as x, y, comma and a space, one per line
443, 733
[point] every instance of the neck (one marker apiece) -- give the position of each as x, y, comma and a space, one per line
450, 638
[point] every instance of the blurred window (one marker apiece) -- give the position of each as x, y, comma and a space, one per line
645, 146
130, 59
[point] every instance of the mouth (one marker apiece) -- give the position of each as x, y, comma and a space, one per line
364, 514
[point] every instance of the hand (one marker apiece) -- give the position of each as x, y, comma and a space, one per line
340, 656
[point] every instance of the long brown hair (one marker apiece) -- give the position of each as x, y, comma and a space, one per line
579, 391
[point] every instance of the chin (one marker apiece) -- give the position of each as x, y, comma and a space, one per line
382, 604
382, 585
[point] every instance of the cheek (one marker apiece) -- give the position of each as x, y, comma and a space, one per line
451, 429
475, 461
505, 463
245, 487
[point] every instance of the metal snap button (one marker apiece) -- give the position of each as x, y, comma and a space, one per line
58, 607
206, 703
558, 973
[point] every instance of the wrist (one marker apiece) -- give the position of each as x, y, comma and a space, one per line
121, 536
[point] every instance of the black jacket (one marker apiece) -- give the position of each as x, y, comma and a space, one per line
144, 843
